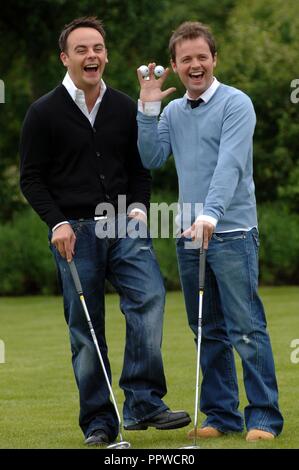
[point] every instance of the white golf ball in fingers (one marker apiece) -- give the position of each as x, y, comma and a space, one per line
144, 70
159, 70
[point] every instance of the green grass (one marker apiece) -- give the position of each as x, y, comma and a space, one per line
38, 396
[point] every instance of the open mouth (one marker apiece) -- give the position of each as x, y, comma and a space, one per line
91, 68
196, 75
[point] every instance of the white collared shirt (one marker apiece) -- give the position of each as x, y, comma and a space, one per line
206, 95
79, 97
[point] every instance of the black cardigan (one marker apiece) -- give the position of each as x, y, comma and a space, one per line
68, 166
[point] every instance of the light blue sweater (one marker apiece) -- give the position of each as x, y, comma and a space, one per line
212, 148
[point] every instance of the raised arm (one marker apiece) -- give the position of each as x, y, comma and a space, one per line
153, 138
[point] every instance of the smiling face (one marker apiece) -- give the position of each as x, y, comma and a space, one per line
194, 64
85, 57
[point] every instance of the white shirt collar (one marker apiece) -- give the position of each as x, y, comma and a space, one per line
74, 91
207, 95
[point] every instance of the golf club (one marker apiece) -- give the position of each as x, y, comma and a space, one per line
202, 269
121, 444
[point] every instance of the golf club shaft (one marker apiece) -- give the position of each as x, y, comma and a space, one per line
79, 290
99, 354
202, 269
198, 360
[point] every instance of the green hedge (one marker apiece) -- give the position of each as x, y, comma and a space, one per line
27, 267
279, 248
26, 264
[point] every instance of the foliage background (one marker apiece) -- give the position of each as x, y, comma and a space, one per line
257, 52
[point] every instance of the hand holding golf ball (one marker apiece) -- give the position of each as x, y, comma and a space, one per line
151, 79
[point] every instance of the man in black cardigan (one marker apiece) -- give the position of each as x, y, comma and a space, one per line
78, 152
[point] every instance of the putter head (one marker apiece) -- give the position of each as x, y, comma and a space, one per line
119, 445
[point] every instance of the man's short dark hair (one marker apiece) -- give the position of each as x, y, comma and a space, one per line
191, 30
84, 22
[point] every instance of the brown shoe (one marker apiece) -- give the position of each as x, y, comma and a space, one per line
257, 434
206, 433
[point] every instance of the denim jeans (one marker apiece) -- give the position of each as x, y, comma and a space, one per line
131, 266
233, 316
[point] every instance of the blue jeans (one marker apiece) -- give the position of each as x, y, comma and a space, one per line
233, 316
131, 266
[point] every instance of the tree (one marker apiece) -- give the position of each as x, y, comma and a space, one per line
260, 56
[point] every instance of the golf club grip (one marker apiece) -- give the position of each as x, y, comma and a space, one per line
202, 268
75, 277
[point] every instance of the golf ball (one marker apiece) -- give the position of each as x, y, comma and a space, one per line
144, 70
159, 70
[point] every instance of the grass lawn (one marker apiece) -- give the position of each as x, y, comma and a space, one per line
38, 395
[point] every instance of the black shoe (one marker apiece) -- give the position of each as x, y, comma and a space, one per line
165, 420
97, 438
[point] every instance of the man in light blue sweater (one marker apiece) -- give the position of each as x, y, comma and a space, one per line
209, 131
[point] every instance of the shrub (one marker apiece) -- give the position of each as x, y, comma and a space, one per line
26, 265
279, 249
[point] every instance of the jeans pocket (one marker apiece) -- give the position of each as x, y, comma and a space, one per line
255, 236
181, 240
229, 236
149, 250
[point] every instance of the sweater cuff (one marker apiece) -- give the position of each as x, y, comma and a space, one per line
207, 218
